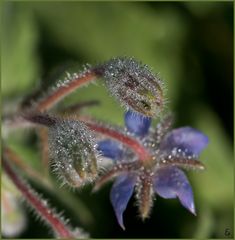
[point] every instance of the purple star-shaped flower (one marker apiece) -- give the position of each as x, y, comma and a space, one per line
169, 150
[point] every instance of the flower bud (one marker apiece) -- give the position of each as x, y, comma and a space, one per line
73, 152
134, 85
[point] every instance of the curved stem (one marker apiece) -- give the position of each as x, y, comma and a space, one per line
10, 154
143, 154
70, 200
50, 100
38, 204
113, 172
130, 142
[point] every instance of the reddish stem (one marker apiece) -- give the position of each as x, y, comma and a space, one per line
63, 91
123, 167
58, 226
130, 142
10, 154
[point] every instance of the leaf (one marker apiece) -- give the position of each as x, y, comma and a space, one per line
19, 37
215, 184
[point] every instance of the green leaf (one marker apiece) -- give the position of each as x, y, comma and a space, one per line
19, 37
214, 185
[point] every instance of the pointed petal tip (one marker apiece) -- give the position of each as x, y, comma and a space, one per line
120, 221
171, 183
120, 195
121, 224
189, 206
193, 211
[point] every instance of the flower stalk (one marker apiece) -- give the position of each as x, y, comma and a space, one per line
40, 206
47, 120
128, 141
64, 90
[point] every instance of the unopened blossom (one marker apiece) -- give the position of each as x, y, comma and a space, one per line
134, 85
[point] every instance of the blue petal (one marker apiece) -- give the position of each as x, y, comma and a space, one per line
120, 195
137, 124
171, 182
187, 139
110, 149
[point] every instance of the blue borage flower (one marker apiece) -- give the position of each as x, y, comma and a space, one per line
170, 150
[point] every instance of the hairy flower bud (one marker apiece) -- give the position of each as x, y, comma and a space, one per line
134, 85
73, 152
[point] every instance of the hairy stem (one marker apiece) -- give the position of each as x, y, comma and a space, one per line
13, 157
113, 172
130, 142
183, 163
10, 154
50, 100
61, 230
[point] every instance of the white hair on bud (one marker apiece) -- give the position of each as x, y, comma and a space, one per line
73, 152
134, 85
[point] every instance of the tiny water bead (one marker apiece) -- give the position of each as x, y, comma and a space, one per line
73, 152
145, 160
134, 85
139, 126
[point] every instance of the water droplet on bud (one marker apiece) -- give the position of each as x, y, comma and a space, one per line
134, 85
73, 152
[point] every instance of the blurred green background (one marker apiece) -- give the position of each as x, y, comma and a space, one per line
189, 44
